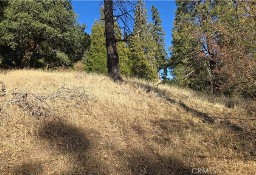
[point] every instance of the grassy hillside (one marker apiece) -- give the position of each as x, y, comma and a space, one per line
77, 123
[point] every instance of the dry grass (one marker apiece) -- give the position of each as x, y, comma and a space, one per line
77, 123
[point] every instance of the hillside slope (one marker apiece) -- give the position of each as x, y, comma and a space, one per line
77, 123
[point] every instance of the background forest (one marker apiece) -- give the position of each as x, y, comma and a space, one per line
213, 48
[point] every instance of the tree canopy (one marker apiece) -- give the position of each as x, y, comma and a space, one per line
40, 33
214, 46
96, 59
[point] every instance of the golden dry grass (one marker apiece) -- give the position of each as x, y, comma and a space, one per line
78, 123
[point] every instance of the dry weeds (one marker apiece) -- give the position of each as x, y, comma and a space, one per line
77, 123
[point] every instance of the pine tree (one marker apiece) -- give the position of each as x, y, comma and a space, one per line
190, 59
158, 35
96, 58
97, 54
124, 52
143, 46
212, 49
41, 33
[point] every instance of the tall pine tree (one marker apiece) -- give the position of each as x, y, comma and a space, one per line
158, 34
97, 55
143, 46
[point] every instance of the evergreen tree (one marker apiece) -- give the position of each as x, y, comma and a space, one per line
96, 58
97, 54
124, 52
41, 33
158, 35
193, 53
143, 46
189, 69
211, 48
3, 5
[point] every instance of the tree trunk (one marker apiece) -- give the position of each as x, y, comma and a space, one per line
112, 54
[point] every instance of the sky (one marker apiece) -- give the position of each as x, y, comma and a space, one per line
88, 12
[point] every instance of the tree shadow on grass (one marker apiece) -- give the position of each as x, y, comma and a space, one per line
246, 146
145, 158
203, 116
71, 141
142, 163
240, 140
31, 168
246, 135
76, 144
66, 138
148, 161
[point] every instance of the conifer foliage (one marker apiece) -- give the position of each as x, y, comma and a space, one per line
96, 58
143, 46
214, 46
142, 56
158, 34
39, 34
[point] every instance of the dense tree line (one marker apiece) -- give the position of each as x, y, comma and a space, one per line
36, 34
214, 47
40, 34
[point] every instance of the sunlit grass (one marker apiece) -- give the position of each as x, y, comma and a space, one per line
78, 123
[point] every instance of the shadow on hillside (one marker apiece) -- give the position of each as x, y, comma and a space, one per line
173, 125
250, 149
244, 135
32, 168
203, 116
70, 141
149, 161
142, 163
67, 139
78, 146
240, 140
